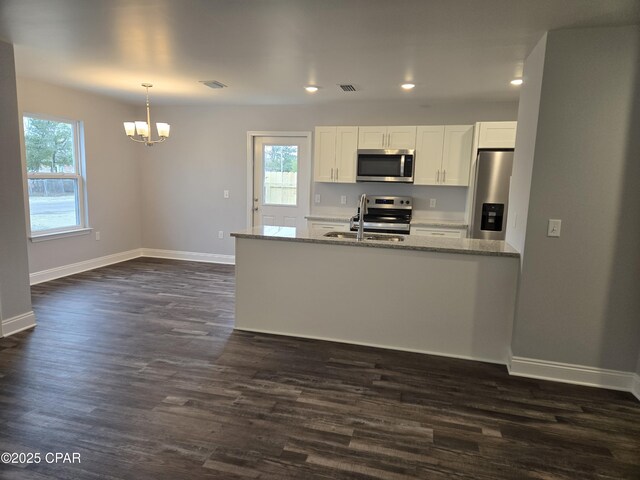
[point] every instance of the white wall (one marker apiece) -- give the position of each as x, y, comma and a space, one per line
578, 299
184, 179
528, 108
15, 296
112, 172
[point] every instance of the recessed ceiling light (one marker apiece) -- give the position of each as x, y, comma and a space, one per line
407, 86
311, 88
517, 81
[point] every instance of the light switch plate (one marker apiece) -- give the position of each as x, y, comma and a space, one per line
553, 230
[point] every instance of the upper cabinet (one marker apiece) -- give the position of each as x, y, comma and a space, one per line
456, 157
497, 134
443, 155
334, 157
387, 137
428, 159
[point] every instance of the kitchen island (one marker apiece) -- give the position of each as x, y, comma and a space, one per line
451, 297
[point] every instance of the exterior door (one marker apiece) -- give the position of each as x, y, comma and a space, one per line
281, 181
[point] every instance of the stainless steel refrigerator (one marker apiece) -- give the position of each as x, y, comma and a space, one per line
491, 194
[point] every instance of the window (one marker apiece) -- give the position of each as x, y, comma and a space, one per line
54, 174
280, 174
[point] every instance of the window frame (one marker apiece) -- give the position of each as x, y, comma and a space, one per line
78, 175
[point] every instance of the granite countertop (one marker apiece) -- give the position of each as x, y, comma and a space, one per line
411, 242
415, 222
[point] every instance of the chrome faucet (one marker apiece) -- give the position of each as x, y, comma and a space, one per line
362, 210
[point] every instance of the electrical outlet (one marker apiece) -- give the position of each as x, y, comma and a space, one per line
317, 198
432, 203
343, 199
553, 229
220, 234
97, 236
226, 194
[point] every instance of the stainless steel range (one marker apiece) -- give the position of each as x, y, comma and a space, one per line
385, 215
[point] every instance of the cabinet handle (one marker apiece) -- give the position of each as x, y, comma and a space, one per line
444, 176
438, 177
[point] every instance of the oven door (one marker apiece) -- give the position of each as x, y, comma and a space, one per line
385, 166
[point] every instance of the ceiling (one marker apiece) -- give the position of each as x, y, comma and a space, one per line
266, 51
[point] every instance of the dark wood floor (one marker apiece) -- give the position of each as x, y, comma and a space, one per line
137, 368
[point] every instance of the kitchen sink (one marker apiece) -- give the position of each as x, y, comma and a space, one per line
367, 236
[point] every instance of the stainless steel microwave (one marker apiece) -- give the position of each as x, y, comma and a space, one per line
385, 166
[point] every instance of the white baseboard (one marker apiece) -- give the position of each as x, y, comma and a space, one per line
635, 386
190, 256
72, 269
569, 373
17, 324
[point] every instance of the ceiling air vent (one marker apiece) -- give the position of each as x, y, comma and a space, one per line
213, 83
346, 87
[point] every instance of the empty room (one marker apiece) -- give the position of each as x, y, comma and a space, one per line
302, 239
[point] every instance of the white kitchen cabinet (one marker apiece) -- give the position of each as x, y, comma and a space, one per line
438, 232
328, 226
334, 156
372, 137
443, 155
428, 159
456, 157
395, 137
497, 135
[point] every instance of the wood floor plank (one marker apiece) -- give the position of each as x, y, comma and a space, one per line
137, 367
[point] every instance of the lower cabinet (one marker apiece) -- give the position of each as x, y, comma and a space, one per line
328, 226
439, 232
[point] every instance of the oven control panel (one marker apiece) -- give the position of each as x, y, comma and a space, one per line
405, 203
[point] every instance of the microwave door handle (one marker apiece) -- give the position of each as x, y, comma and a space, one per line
402, 165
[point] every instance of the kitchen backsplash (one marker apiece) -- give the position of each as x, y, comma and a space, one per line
450, 202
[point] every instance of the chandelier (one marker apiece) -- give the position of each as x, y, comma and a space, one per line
142, 129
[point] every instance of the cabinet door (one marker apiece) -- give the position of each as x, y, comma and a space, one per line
401, 137
324, 154
346, 152
428, 159
456, 157
497, 135
372, 137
